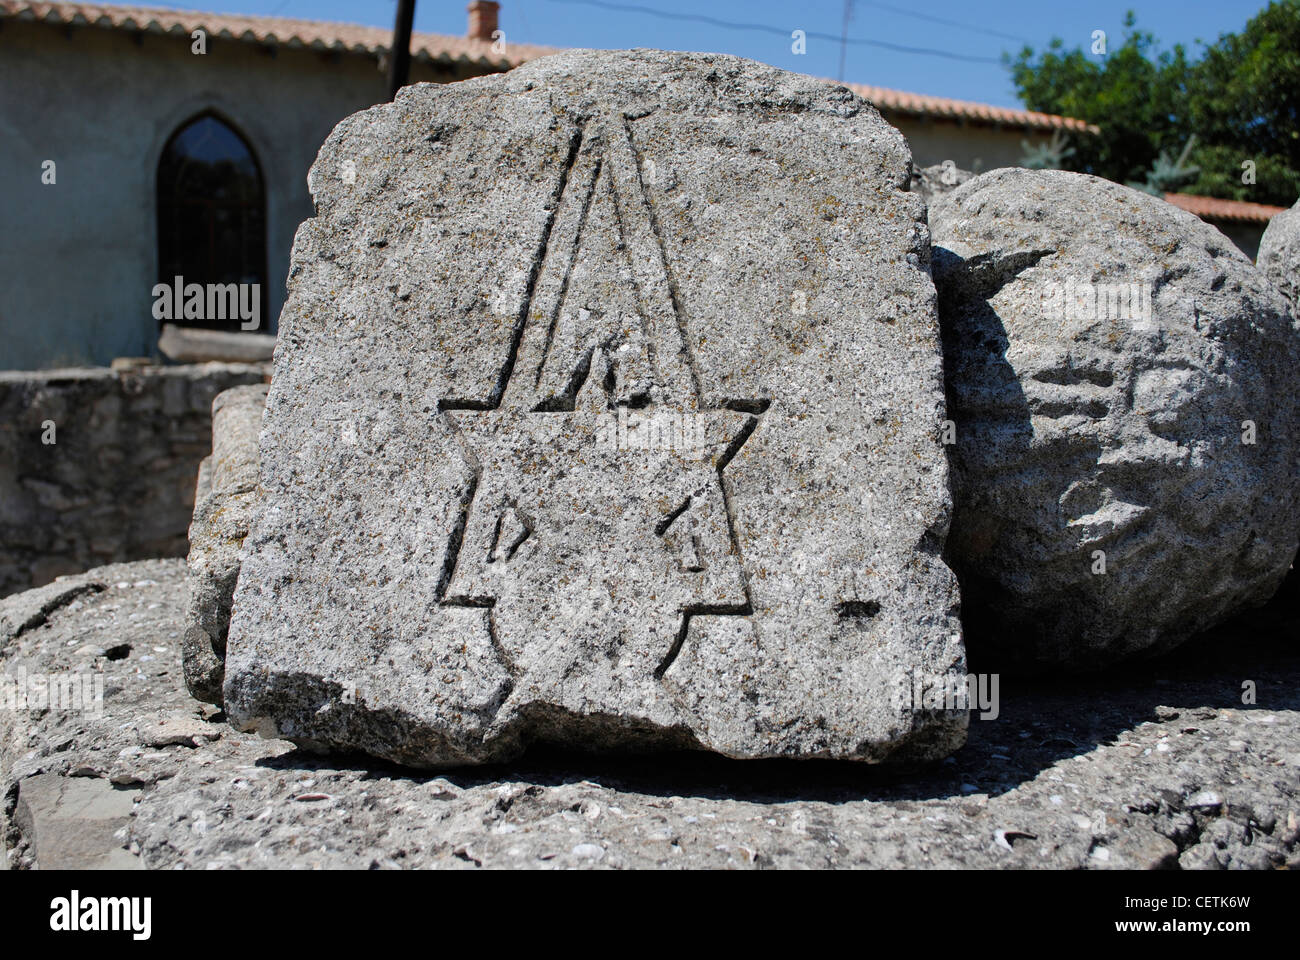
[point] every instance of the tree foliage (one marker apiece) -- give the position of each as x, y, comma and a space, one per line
1240, 98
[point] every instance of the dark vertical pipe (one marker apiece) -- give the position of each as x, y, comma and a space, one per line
399, 59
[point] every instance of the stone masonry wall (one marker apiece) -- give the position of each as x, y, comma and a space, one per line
99, 465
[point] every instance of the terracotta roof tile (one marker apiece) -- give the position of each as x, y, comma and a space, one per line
374, 41
312, 34
354, 38
927, 106
1212, 208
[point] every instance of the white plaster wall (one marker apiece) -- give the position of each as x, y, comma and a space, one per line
78, 259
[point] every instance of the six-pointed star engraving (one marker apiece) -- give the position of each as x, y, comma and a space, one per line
571, 523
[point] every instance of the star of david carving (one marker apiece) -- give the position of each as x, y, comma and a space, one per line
598, 522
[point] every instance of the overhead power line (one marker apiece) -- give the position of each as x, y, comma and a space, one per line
844, 36
780, 31
904, 12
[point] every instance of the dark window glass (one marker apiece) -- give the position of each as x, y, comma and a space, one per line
211, 213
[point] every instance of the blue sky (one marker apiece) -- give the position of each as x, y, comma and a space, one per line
976, 30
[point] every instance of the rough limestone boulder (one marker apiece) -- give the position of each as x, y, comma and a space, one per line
1279, 259
1159, 766
605, 412
224, 502
1279, 254
938, 180
1121, 381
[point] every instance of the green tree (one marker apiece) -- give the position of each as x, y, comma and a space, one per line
1240, 100
1131, 94
1276, 180
1244, 103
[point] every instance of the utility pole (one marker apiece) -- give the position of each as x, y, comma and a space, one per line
844, 35
399, 58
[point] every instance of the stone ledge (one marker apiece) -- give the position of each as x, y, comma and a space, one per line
117, 482
187, 371
1156, 766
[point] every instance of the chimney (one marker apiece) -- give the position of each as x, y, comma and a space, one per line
483, 19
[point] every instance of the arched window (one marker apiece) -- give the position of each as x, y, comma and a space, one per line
211, 213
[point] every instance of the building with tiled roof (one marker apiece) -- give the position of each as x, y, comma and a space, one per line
1242, 222
471, 52
974, 136
899, 103
144, 143
1225, 211
116, 120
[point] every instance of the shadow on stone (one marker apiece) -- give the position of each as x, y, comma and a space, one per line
1041, 722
